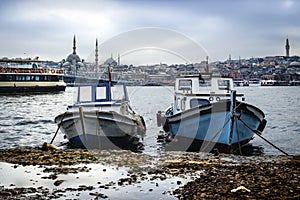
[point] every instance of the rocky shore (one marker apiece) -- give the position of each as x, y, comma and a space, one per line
193, 175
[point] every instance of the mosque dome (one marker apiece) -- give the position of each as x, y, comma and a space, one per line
110, 61
73, 57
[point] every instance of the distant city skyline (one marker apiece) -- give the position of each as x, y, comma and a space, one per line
239, 28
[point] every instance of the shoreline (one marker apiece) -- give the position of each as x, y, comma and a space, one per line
115, 174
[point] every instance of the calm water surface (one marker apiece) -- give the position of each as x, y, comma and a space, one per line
28, 120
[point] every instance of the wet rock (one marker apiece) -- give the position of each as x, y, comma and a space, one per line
58, 182
103, 196
212, 176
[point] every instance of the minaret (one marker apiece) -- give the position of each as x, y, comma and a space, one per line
96, 57
287, 48
74, 45
206, 65
119, 59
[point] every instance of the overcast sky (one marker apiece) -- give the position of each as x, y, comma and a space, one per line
245, 28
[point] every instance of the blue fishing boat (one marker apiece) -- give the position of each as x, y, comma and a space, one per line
102, 118
208, 114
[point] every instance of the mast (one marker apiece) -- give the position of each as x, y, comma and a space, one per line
109, 82
232, 116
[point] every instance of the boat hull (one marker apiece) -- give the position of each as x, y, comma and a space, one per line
101, 129
210, 126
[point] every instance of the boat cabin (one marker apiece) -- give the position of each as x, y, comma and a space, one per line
196, 90
100, 95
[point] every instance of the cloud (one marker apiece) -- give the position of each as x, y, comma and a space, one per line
245, 28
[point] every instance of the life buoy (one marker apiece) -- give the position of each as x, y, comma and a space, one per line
61, 71
218, 98
53, 71
211, 99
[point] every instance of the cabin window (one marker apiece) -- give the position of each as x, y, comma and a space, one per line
117, 92
205, 84
2, 77
101, 93
37, 78
185, 84
85, 94
224, 84
198, 102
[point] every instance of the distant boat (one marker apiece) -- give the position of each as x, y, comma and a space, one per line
254, 82
294, 83
102, 118
240, 82
207, 113
273, 80
26, 76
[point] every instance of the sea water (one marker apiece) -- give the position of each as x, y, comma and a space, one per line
28, 120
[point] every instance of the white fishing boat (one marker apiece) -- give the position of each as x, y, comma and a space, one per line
27, 76
207, 114
102, 118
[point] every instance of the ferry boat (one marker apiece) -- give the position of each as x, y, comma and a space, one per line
207, 114
273, 80
26, 76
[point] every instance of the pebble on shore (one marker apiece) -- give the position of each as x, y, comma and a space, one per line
221, 176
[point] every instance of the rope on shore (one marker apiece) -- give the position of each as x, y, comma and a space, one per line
258, 133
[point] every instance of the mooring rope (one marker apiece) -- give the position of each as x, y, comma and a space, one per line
217, 133
229, 119
58, 127
258, 133
238, 136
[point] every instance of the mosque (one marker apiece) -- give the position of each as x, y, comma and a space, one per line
73, 61
77, 70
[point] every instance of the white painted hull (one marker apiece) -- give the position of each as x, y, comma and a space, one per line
96, 129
